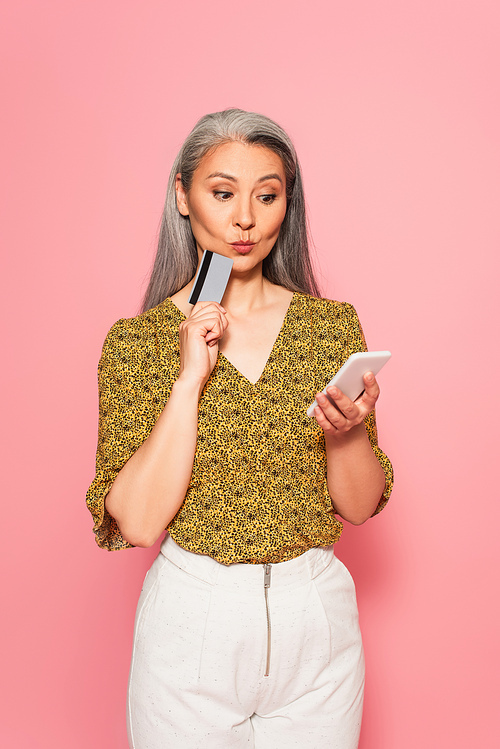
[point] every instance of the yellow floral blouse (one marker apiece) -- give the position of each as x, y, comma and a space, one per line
258, 490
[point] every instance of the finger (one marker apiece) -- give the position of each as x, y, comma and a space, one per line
372, 391
206, 320
201, 305
208, 334
215, 331
206, 306
371, 384
207, 311
332, 413
349, 409
324, 423
213, 336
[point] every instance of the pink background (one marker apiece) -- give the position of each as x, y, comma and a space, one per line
394, 109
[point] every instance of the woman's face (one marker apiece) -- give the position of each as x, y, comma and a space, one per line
236, 203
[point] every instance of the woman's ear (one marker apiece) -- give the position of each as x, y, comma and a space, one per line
181, 197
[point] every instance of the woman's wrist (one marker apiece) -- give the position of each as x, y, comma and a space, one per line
187, 387
347, 440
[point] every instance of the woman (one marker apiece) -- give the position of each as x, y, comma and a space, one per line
247, 629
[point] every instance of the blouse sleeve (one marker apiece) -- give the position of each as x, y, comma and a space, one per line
356, 342
123, 424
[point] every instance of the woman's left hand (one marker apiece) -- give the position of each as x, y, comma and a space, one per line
336, 422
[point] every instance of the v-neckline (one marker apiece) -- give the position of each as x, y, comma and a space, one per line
220, 355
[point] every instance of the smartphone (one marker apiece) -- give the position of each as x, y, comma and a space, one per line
349, 378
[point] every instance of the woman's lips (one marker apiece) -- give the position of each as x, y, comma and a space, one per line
243, 247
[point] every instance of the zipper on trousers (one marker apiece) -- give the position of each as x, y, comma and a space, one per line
267, 585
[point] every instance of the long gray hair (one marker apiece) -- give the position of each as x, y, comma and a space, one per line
288, 264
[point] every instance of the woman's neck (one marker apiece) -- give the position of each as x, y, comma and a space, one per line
243, 293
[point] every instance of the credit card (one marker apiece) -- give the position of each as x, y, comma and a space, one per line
212, 277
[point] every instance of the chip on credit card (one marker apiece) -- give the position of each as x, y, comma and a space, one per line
212, 277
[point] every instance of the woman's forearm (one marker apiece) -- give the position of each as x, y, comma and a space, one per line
151, 486
355, 478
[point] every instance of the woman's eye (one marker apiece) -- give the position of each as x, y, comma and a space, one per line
222, 195
267, 199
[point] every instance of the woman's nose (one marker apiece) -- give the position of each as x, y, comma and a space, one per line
243, 215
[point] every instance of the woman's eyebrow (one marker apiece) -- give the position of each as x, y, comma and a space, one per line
223, 175
271, 176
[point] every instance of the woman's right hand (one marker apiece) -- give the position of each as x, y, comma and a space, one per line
199, 336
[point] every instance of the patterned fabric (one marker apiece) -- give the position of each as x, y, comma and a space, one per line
258, 490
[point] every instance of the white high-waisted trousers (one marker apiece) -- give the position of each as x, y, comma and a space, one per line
246, 655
